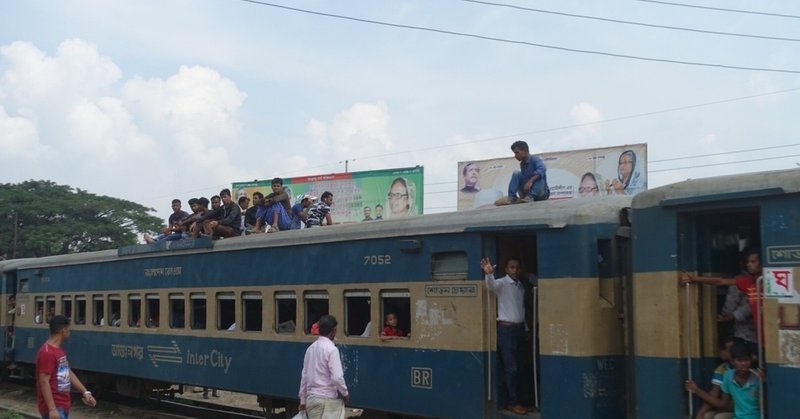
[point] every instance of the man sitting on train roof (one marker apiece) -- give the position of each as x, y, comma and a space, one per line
320, 211
529, 183
214, 213
174, 229
250, 216
230, 215
300, 211
276, 209
199, 208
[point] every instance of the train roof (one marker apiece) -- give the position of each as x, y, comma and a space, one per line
744, 186
537, 215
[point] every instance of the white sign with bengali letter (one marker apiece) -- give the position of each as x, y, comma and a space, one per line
778, 282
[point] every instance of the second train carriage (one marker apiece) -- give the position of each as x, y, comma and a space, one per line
702, 226
236, 314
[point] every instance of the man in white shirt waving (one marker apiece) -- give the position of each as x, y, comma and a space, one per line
322, 379
510, 294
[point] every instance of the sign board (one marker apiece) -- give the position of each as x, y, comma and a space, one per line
357, 196
778, 282
570, 174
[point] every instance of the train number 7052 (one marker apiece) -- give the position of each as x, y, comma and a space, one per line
378, 260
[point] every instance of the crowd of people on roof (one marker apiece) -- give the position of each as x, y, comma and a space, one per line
226, 218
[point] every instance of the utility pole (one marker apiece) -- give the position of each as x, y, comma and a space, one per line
14, 244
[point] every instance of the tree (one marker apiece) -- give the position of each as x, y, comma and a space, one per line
40, 218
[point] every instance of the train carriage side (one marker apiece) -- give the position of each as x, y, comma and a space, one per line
238, 315
703, 226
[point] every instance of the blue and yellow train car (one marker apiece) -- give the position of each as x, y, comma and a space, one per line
702, 226
236, 314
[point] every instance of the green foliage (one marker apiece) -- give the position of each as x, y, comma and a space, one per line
10, 415
55, 219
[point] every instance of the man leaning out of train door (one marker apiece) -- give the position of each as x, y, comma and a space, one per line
510, 292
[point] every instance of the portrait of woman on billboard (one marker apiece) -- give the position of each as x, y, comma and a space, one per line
629, 176
401, 198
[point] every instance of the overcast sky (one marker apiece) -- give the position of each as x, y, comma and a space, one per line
150, 100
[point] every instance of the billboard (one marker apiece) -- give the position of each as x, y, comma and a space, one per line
357, 196
570, 174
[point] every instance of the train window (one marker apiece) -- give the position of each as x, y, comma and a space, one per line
80, 309
23, 286
177, 311
50, 308
357, 313
38, 305
285, 311
98, 305
316, 303
134, 310
226, 311
449, 266
397, 302
114, 310
66, 307
152, 310
251, 311
198, 310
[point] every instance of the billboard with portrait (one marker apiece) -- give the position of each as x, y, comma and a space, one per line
357, 196
570, 174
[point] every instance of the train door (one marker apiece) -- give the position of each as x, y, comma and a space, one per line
713, 243
523, 247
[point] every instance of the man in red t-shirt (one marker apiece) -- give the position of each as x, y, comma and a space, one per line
746, 282
54, 378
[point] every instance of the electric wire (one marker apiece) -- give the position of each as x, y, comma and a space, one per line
628, 22
526, 43
721, 9
722, 163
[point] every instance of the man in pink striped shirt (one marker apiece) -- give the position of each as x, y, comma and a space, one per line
322, 379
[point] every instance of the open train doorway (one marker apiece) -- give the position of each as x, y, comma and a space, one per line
716, 244
523, 249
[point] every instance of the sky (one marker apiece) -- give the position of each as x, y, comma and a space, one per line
152, 100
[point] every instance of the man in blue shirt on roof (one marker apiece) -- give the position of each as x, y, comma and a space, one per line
530, 182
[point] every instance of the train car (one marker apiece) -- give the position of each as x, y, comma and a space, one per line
236, 314
702, 226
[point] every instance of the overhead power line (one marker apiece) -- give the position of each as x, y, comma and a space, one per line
721, 9
697, 156
628, 22
526, 43
722, 164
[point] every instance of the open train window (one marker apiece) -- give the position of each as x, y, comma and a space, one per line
251, 311
177, 311
226, 311
450, 266
357, 313
134, 310
50, 309
66, 307
152, 310
114, 310
397, 302
98, 305
285, 312
316, 306
198, 310
38, 306
80, 309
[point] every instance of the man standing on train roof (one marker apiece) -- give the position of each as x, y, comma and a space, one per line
530, 182
510, 294
322, 379
54, 378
